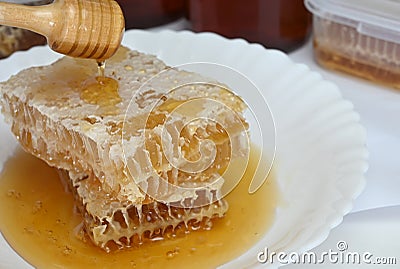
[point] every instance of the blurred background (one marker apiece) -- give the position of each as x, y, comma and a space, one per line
361, 38
282, 24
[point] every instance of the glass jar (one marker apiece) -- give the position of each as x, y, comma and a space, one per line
150, 13
281, 24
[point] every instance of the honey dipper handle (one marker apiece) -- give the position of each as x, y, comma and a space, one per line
32, 18
78, 28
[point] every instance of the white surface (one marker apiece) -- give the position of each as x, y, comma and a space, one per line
376, 228
373, 231
320, 143
379, 108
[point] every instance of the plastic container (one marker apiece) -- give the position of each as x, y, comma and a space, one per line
360, 37
281, 24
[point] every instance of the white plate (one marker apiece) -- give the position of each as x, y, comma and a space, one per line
321, 154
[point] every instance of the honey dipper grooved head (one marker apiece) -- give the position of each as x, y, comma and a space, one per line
87, 28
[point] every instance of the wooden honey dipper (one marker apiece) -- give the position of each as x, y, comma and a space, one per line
79, 28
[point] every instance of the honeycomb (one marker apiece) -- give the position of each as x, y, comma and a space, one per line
342, 47
144, 151
134, 224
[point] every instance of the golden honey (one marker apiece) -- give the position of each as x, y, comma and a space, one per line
40, 223
102, 91
363, 69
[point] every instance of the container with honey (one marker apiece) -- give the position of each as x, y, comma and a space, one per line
361, 38
281, 24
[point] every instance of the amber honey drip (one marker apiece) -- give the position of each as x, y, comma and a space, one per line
101, 67
39, 222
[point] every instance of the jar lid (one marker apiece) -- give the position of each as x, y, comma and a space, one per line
376, 18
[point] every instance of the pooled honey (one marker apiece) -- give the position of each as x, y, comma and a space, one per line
39, 221
102, 91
